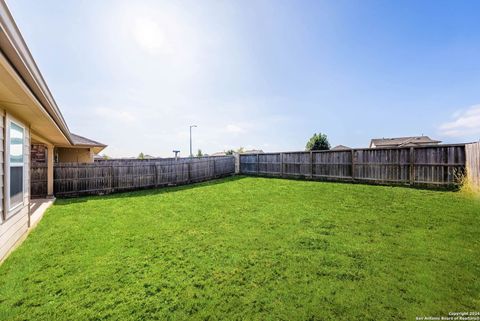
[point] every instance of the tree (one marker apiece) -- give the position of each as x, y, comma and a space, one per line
318, 142
105, 156
229, 152
141, 156
199, 153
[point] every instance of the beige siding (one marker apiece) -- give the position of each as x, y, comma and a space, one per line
74, 155
12, 230
2, 190
14, 225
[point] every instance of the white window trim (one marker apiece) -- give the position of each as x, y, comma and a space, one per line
11, 210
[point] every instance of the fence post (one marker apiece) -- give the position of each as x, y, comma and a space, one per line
237, 162
214, 173
472, 166
156, 174
353, 164
412, 166
112, 175
189, 169
258, 164
281, 164
311, 164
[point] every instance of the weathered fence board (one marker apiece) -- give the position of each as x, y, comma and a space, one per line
440, 165
327, 165
71, 179
472, 152
38, 180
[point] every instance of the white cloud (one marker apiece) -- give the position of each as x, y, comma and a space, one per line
234, 129
162, 66
119, 116
465, 123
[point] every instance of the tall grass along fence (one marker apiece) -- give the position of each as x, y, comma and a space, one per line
435, 166
105, 177
473, 166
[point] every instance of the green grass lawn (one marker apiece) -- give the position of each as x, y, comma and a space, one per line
251, 249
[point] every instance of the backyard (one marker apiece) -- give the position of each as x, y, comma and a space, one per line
249, 248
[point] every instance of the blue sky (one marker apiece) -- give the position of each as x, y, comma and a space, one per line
257, 74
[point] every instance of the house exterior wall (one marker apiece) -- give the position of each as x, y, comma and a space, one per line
13, 223
74, 155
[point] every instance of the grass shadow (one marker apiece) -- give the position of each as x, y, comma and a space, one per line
146, 191
168, 189
349, 181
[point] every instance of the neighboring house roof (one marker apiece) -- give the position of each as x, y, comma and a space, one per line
83, 141
219, 154
253, 151
80, 141
340, 147
250, 151
403, 141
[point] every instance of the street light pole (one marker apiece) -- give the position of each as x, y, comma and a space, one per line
191, 154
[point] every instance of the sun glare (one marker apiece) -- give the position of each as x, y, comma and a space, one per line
150, 36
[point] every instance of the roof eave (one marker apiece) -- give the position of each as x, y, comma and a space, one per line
22, 61
86, 145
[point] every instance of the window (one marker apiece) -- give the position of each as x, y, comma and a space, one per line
16, 164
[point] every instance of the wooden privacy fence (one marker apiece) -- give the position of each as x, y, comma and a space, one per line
71, 179
473, 165
440, 165
38, 180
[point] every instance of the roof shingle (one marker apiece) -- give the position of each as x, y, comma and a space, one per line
403, 141
80, 140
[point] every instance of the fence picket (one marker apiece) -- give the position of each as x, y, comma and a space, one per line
473, 165
107, 176
422, 165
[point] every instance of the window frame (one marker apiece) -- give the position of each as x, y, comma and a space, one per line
10, 210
